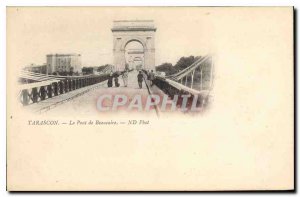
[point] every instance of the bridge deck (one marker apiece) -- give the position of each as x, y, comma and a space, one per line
84, 101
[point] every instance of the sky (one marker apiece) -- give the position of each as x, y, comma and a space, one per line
34, 32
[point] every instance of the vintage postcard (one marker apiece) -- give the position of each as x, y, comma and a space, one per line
150, 98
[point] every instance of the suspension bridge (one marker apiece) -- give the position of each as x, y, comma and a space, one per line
50, 93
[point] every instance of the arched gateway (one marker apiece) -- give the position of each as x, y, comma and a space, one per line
127, 35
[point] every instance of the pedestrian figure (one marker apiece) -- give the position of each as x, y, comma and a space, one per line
117, 81
125, 78
110, 80
151, 77
140, 79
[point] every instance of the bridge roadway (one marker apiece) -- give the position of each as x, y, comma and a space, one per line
83, 101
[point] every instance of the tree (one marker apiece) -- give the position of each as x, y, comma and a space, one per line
63, 73
71, 71
182, 63
103, 67
168, 68
87, 70
185, 62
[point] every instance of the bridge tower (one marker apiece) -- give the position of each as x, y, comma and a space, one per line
141, 31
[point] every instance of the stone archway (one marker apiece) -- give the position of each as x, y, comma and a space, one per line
134, 54
126, 31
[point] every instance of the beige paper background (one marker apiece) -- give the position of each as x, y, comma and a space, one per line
244, 141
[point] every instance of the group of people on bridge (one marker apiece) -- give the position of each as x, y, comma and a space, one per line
114, 76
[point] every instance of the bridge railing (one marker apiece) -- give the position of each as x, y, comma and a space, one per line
40, 91
172, 88
185, 82
197, 76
